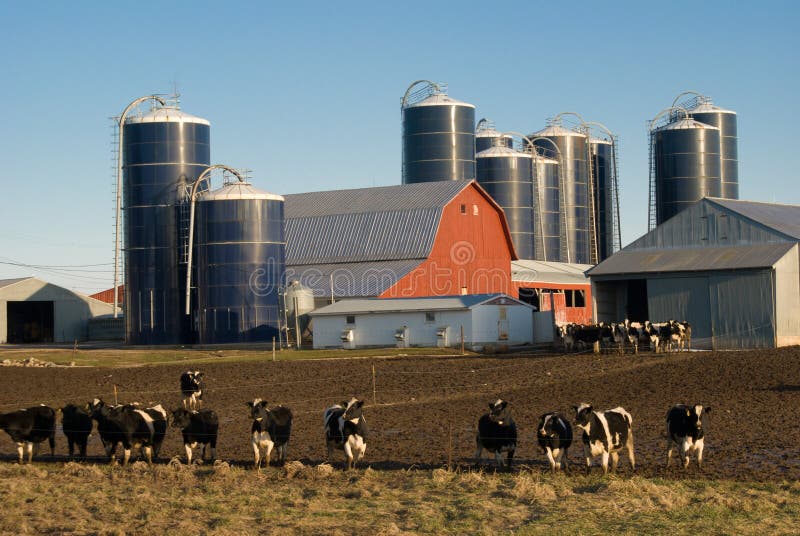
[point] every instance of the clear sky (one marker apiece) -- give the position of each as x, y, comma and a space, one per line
307, 94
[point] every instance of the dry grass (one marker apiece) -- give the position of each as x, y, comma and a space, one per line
220, 499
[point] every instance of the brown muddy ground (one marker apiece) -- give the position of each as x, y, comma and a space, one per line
427, 407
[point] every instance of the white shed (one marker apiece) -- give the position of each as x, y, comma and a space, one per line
486, 320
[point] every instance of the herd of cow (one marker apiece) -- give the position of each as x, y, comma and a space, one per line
669, 336
605, 433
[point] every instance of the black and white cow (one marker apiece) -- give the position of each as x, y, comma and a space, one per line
554, 435
192, 387
159, 416
605, 433
126, 425
346, 429
77, 426
271, 428
686, 431
198, 428
29, 427
497, 433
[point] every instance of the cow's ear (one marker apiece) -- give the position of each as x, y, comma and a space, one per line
360, 403
504, 405
263, 404
707, 409
575, 408
343, 404
491, 406
250, 404
199, 374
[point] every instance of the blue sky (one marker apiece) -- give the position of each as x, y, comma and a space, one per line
307, 94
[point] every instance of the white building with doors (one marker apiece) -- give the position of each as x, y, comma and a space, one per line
486, 320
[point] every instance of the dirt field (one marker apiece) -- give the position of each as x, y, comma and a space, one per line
424, 405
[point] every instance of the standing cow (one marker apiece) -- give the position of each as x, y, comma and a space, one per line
198, 428
554, 435
685, 430
346, 429
192, 387
29, 427
76, 423
605, 433
271, 428
497, 433
126, 425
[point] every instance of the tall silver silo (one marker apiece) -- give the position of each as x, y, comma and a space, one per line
574, 170
486, 137
687, 165
602, 180
547, 210
438, 139
725, 120
164, 151
507, 176
241, 253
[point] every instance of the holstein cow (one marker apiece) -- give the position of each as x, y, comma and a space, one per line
605, 433
77, 426
159, 416
554, 435
192, 387
346, 429
271, 429
126, 425
497, 433
685, 430
198, 428
29, 427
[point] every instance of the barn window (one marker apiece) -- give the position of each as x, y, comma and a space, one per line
722, 227
463, 208
575, 298
474, 210
463, 291
430, 317
350, 320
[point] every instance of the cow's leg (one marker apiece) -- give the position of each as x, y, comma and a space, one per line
126, 455
669, 452
213, 445
82, 447
20, 452
551, 459
588, 455
604, 461
629, 447
698, 447
148, 454
330, 451
187, 448
478, 450
510, 458
614, 461
362, 451
564, 460
71, 446
52, 442
29, 447
268, 453
686, 446
256, 454
348, 452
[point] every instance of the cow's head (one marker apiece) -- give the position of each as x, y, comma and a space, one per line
181, 418
97, 407
499, 412
548, 423
258, 408
583, 413
696, 415
70, 409
352, 409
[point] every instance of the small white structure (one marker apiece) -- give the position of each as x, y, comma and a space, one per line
486, 319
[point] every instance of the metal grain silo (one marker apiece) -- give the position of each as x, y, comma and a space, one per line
164, 151
725, 120
572, 147
547, 209
602, 179
506, 175
240, 264
438, 137
687, 165
486, 137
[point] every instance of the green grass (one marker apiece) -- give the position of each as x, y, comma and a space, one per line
57, 498
127, 357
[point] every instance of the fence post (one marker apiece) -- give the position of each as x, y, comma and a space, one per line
462, 340
374, 391
273, 348
115, 394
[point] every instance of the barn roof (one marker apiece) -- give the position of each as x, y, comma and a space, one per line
531, 271
782, 218
7, 282
692, 259
397, 305
351, 279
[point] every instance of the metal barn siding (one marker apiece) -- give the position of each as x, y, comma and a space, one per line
682, 298
164, 152
438, 140
787, 299
547, 211
488, 137
742, 310
240, 264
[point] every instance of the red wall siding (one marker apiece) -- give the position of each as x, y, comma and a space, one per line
472, 251
108, 295
563, 314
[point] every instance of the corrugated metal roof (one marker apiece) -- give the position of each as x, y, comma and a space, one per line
7, 282
366, 224
531, 271
392, 305
353, 278
782, 218
691, 259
